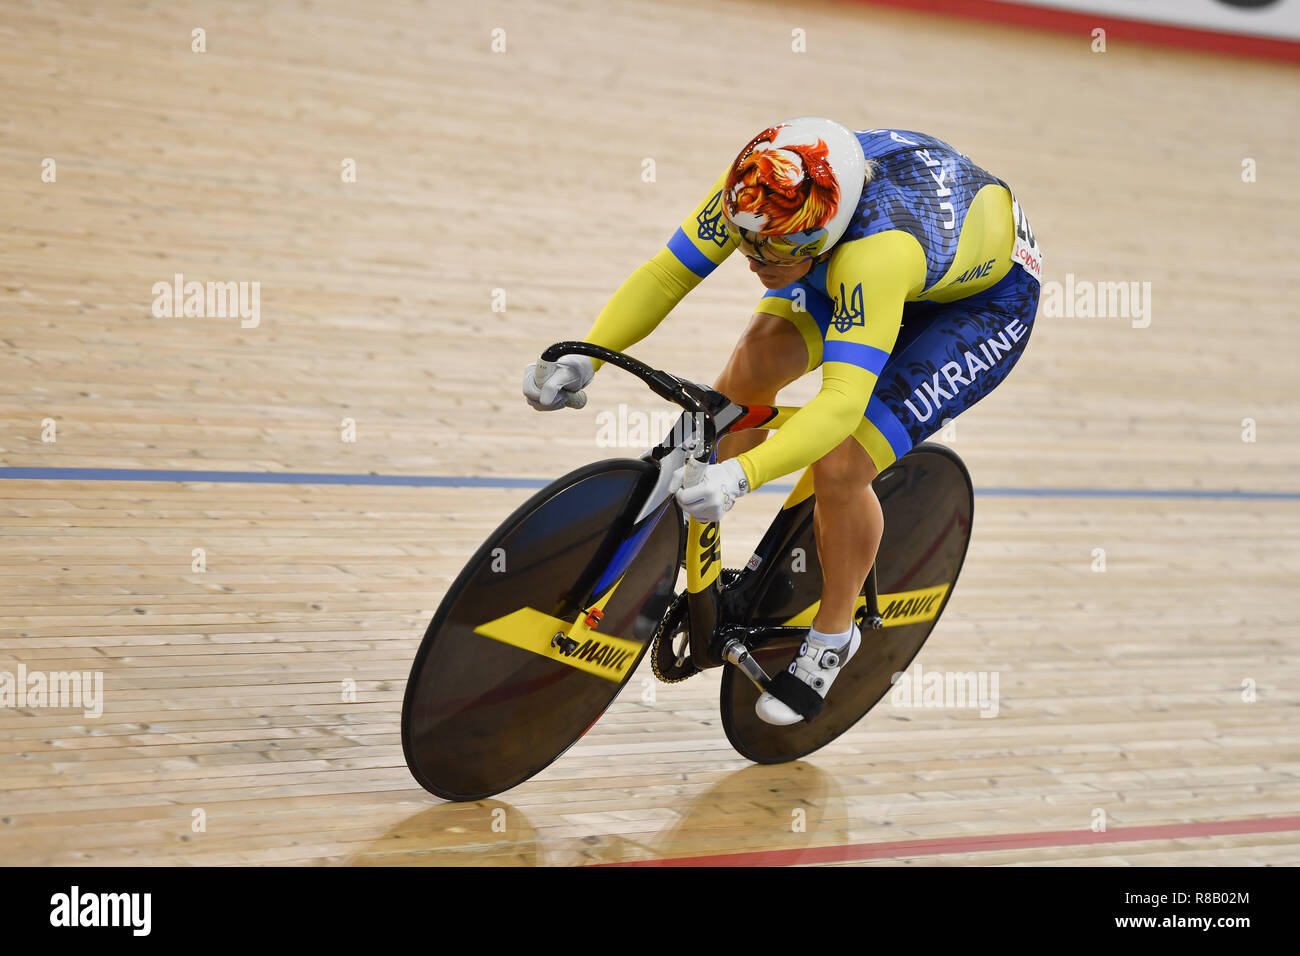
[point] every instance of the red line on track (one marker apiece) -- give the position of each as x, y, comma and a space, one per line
1117, 28
978, 844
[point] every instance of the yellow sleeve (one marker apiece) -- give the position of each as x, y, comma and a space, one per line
869, 279
697, 248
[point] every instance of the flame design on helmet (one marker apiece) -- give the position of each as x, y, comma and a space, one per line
781, 190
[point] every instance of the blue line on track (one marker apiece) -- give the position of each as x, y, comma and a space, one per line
466, 481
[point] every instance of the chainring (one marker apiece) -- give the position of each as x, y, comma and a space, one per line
677, 621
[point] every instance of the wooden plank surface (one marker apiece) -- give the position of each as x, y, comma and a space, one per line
521, 171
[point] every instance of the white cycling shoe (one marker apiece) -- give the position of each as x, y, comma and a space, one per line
803, 685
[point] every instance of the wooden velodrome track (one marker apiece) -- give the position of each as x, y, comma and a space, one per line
521, 171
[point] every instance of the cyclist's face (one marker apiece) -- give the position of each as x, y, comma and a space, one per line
774, 260
777, 275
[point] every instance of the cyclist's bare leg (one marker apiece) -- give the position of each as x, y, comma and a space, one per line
848, 523
769, 356
847, 518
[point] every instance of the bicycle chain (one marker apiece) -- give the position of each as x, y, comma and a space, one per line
669, 618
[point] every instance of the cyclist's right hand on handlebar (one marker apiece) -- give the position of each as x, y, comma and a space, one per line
552, 385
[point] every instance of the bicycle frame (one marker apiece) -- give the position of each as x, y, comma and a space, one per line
597, 586
716, 633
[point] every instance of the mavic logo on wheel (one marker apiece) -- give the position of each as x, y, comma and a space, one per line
897, 609
909, 607
604, 655
532, 630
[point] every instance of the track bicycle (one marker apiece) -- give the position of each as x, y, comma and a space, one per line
552, 615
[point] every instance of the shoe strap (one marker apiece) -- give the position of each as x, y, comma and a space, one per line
822, 657
795, 694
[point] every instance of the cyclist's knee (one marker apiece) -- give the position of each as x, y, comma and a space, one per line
844, 471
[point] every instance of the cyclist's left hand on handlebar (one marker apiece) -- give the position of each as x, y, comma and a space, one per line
552, 385
715, 493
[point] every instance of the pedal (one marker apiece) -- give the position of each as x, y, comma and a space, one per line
566, 644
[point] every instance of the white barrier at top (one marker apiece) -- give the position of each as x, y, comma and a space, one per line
1269, 18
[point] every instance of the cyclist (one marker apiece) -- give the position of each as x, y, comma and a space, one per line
908, 273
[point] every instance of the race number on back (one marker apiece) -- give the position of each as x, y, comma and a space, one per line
1026, 250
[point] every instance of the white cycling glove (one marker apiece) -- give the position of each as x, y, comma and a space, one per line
715, 493
558, 383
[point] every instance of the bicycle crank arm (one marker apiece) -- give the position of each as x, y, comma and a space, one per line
737, 653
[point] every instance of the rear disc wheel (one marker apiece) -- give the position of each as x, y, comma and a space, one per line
928, 504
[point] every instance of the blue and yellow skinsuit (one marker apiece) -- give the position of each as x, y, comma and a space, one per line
918, 312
